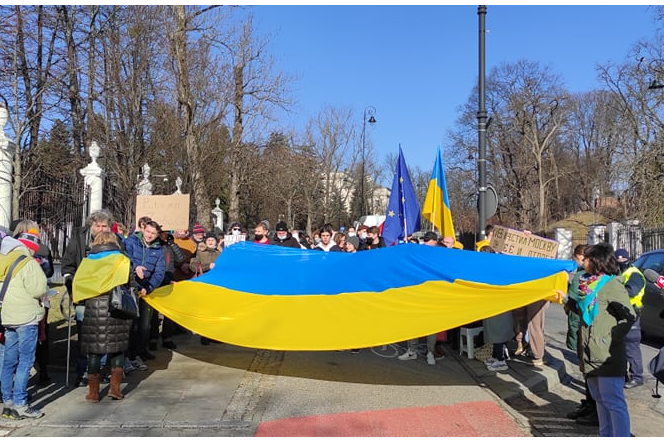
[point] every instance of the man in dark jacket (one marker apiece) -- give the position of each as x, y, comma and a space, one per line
283, 237
635, 284
148, 268
173, 257
77, 249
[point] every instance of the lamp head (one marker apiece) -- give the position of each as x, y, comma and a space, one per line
656, 84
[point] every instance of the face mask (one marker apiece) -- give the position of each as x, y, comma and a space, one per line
363, 236
351, 233
317, 240
236, 231
258, 237
282, 237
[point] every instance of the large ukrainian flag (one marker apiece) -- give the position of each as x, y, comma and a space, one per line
436, 207
280, 298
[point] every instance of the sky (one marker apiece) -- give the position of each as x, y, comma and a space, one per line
417, 65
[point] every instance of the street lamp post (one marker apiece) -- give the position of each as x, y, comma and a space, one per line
481, 128
369, 112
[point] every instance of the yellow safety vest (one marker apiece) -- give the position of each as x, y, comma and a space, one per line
636, 300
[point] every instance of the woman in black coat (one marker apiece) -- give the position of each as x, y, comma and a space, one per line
102, 333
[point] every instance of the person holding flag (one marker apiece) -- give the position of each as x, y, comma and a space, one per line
436, 206
436, 209
403, 210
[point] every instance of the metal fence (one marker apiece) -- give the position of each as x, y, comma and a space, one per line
59, 207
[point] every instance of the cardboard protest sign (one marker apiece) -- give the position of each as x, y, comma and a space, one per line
171, 211
516, 242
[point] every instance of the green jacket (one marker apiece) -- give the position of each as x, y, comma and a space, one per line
602, 344
22, 303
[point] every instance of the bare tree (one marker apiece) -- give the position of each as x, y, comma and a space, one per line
29, 66
641, 112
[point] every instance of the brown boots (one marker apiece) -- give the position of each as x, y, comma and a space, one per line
93, 385
114, 391
116, 379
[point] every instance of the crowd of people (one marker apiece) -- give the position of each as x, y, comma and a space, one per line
602, 303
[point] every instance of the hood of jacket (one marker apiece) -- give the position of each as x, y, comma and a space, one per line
9, 243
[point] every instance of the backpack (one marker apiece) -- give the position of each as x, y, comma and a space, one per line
10, 263
656, 368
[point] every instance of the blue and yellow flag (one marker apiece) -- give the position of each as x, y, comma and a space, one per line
280, 298
403, 210
436, 206
99, 273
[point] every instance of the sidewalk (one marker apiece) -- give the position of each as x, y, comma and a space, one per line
223, 390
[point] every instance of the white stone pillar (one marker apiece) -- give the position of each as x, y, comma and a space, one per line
596, 234
218, 215
93, 179
178, 184
6, 169
564, 238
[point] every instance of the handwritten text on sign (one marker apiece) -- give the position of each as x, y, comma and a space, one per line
516, 242
171, 211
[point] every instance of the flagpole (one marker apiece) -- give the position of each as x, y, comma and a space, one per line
401, 192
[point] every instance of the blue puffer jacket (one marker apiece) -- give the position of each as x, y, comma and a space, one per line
151, 257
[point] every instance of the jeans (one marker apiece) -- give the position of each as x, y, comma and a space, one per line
633, 348
20, 345
2, 359
611, 405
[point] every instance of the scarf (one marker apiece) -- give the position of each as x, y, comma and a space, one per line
589, 286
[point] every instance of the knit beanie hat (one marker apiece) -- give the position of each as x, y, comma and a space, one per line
30, 239
198, 229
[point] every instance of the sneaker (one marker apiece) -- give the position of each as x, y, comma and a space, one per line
138, 364
26, 412
633, 383
590, 419
490, 361
7, 410
430, 359
582, 410
536, 362
497, 366
82, 380
408, 356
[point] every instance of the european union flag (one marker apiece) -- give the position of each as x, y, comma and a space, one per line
403, 210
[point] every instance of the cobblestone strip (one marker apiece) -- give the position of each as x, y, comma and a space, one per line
259, 378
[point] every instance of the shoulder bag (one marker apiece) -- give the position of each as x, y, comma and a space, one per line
123, 303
